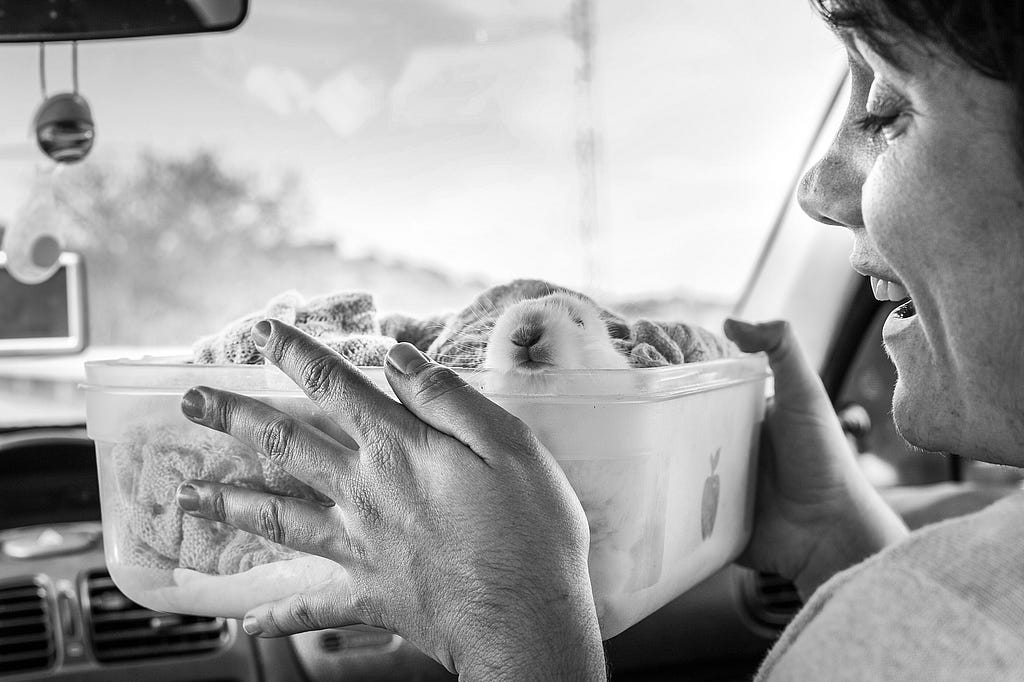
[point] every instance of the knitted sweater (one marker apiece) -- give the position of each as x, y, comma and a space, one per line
947, 603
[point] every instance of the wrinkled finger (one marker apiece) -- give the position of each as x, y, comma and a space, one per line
440, 397
331, 381
327, 607
289, 521
300, 449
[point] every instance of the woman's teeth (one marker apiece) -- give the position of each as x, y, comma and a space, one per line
888, 291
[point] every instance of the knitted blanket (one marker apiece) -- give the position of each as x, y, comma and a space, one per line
155, 533
345, 321
348, 322
151, 463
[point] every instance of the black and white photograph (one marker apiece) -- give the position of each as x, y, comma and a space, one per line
512, 340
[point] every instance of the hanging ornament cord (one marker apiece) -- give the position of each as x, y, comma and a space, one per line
42, 68
74, 67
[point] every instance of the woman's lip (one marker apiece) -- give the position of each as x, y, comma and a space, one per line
886, 290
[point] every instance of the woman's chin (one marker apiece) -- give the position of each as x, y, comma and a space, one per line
916, 421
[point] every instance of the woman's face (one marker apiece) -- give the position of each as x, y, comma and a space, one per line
933, 196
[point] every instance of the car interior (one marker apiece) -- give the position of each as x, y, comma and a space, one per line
62, 616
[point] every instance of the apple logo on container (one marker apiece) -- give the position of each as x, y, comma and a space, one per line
709, 501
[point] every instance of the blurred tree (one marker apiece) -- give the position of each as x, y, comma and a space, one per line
169, 242
176, 248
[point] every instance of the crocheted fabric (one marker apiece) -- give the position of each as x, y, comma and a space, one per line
151, 463
155, 533
346, 322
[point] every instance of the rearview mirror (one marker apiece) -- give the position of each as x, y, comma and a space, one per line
48, 318
66, 20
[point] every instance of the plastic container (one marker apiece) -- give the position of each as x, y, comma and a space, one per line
662, 460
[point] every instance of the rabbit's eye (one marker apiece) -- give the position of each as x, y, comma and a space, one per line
577, 320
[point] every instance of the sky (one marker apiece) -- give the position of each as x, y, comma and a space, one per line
443, 132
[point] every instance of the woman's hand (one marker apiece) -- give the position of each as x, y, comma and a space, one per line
454, 524
815, 512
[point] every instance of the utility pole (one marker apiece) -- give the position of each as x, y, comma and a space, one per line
587, 154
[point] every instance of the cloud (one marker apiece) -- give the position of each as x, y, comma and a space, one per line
345, 101
527, 85
283, 91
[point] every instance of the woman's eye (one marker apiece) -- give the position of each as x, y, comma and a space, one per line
882, 97
875, 125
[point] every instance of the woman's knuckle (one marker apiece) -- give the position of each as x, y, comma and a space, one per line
317, 375
221, 412
217, 505
300, 611
435, 383
268, 520
271, 622
275, 438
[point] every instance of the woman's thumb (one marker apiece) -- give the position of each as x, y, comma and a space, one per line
795, 379
442, 399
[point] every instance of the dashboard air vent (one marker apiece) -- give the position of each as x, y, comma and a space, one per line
121, 630
26, 630
771, 600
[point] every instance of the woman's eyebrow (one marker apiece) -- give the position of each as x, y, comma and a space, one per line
895, 59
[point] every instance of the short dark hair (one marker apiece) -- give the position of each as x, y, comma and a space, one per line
986, 35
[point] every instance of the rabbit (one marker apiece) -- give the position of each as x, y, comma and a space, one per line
556, 331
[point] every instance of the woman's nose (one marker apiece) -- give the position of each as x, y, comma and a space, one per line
830, 192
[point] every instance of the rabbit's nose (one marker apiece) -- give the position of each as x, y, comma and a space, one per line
527, 336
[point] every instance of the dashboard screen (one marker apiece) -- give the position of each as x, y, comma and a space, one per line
47, 318
34, 311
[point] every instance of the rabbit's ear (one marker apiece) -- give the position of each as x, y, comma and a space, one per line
617, 329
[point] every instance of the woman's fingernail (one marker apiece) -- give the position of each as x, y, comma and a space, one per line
193, 404
188, 497
261, 332
406, 358
251, 625
742, 324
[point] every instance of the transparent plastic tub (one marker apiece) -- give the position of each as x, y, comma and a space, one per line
662, 460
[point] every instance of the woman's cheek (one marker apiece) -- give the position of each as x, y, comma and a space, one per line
888, 207
873, 199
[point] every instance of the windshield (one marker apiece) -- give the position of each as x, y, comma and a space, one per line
421, 151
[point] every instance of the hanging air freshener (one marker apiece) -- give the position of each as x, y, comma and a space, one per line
33, 241
63, 123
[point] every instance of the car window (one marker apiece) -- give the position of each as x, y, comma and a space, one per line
422, 151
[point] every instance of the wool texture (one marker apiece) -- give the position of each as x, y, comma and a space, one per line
944, 605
